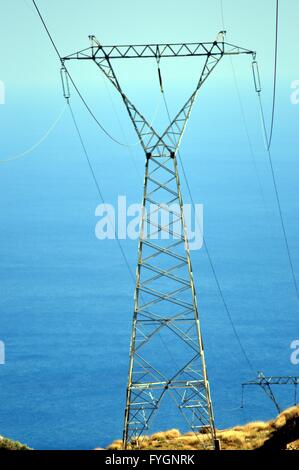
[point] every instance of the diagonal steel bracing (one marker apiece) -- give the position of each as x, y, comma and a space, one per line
166, 350
165, 300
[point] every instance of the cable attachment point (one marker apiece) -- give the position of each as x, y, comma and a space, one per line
94, 41
95, 44
220, 36
65, 82
256, 75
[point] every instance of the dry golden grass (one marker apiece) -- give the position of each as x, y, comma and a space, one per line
285, 416
293, 445
116, 445
254, 426
248, 437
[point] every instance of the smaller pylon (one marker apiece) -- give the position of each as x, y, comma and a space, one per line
266, 384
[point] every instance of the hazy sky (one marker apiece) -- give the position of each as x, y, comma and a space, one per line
27, 56
30, 68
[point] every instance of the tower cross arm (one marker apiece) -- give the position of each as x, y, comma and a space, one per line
169, 142
147, 51
274, 380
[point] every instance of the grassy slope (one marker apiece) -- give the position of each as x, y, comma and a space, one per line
280, 433
7, 444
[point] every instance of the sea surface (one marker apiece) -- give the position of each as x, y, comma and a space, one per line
66, 298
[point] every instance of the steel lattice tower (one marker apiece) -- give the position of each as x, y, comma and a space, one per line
165, 297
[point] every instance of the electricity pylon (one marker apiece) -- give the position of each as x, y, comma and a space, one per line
266, 384
165, 298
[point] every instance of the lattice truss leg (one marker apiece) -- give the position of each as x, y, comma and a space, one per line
166, 313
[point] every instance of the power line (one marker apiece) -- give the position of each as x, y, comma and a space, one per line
268, 141
47, 30
38, 143
275, 185
98, 186
222, 14
217, 281
245, 124
247, 133
80, 135
274, 75
92, 113
73, 82
227, 310
81, 138
243, 115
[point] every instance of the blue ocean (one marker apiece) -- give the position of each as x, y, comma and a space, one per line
67, 298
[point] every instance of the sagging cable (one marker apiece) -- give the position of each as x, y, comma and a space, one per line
267, 139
